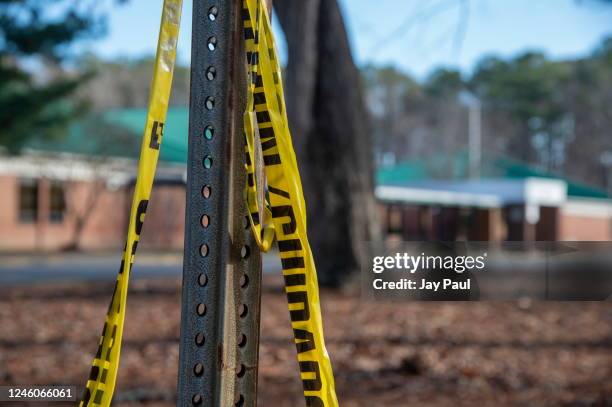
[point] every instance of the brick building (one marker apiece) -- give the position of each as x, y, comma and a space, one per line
58, 202
77, 191
511, 202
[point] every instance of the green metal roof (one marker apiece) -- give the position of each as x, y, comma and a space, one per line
518, 170
402, 172
118, 133
176, 129
455, 167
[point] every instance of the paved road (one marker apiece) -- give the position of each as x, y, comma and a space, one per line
80, 267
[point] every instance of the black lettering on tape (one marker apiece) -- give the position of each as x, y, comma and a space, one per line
279, 192
271, 159
268, 144
314, 401
282, 211
299, 297
118, 299
254, 58
112, 343
156, 135
122, 266
311, 367
289, 245
103, 377
263, 117
266, 132
248, 159
86, 397
99, 351
292, 280
98, 397
292, 263
93, 375
113, 299
279, 100
304, 340
255, 217
140, 212
259, 98
133, 253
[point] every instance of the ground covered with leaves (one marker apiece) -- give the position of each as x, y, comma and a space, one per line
384, 354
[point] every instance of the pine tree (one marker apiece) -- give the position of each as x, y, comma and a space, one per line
35, 90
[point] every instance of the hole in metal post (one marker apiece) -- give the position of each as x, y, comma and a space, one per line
202, 280
201, 309
196, 399
209, 132
205, 220
210, 103
244, 280
245, 251
207, 162
241, 371
198, 369
211, 72
206, 191
204, 250
212, 13
200, 339
212, 43
243, 310
242, 341
239, 401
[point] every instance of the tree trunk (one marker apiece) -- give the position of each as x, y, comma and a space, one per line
329, 125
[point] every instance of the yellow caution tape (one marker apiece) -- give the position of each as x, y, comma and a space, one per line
103, 375
284, 215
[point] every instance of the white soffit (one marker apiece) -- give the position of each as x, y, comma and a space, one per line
545, 192
590, 208
428, 196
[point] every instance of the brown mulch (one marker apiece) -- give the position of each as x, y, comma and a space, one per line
396, 354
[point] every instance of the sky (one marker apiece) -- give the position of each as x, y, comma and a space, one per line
414, 35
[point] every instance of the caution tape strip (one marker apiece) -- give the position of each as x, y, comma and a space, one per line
102, 378
284, 213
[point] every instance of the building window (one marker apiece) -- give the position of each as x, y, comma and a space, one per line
58, 203
28, 200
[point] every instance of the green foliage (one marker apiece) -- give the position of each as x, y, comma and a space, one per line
444, 82
391, 85
529, 86
550, 114
34, 89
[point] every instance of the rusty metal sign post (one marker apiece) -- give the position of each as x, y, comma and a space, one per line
221, 291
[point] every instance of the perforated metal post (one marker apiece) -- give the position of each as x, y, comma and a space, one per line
222, 267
